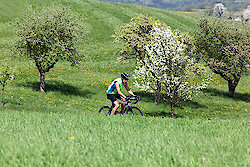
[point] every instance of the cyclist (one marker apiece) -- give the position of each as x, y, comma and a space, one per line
114, 92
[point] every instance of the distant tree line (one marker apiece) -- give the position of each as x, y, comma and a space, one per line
231, 5
186, 5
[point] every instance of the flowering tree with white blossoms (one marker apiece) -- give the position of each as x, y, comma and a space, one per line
147, 77
168, 68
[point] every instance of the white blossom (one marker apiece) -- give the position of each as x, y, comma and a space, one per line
246, 14
219, 9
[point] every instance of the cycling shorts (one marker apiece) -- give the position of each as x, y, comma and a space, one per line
113, 97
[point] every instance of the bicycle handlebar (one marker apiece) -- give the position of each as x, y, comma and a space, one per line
137, 98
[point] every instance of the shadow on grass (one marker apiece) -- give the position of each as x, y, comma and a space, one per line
11, 101
148, 97
58, 86
238, 96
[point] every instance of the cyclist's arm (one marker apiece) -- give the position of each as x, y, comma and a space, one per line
119, 90
129, 91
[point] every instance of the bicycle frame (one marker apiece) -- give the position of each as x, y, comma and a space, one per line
128, 107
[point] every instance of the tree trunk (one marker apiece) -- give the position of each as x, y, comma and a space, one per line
2, 96
172, 109
157, 97
42, 81
231, 88
158, 92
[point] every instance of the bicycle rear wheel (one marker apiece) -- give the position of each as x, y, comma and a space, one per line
105, 110
134, 111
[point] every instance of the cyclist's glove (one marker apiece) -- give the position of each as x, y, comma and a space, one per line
127, 98
138, 98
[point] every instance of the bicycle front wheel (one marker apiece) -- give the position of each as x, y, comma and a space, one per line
134, 111
105, 110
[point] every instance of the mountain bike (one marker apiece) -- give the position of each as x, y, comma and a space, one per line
129, 109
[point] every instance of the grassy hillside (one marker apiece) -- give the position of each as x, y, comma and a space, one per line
90, 79
61, 127
101, 18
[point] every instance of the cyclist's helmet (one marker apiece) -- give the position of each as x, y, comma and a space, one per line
125, 76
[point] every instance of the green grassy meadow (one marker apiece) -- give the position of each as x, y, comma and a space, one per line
84, 139
62, 128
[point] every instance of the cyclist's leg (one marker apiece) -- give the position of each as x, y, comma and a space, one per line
113, 98
123, 104
115, 107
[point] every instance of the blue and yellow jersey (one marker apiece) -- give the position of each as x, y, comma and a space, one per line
112, 87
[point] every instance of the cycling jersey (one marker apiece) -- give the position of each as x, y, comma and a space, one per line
112, 87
